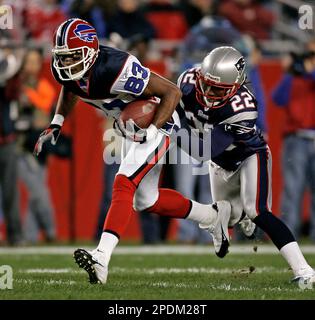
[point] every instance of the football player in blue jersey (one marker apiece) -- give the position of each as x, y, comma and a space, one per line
215, 102
109, 79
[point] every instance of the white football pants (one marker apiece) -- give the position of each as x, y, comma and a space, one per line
248, 188
142, 164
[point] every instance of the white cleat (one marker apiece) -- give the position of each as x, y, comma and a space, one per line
219, 229
305, 279
248, 227
93, 263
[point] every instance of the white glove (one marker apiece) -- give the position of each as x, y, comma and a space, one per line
151, 132
133, 132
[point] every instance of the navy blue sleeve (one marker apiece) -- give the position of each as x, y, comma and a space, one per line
207, 145
281, 93
220, 140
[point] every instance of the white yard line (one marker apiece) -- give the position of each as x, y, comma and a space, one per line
221, 287
45, 282
50, 270
152, 250
164, 284
153, 271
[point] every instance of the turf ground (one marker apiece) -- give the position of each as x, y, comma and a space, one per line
156, 272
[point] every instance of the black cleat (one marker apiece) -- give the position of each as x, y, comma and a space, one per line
85, 260
224, 249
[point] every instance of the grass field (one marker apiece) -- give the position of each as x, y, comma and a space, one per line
172, 272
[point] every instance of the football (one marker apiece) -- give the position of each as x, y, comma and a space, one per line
141, 112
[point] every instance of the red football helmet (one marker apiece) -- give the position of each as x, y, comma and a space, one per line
75, 41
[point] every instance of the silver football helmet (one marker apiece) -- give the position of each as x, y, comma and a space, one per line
221, 74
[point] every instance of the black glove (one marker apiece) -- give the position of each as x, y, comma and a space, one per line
50, 134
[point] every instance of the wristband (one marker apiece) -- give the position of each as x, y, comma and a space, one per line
58, 119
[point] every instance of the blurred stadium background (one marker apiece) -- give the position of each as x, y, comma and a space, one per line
167, 36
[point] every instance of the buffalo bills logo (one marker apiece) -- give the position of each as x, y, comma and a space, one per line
85, 32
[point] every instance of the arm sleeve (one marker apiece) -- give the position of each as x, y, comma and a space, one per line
220, 140
203, 146
281, 93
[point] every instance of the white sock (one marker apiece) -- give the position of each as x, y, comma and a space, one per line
202, 213
107, 244
291, 252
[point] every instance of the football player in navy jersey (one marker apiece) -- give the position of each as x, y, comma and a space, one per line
109, 79
215, 102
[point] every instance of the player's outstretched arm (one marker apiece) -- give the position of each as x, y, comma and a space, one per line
65, 104
169, 94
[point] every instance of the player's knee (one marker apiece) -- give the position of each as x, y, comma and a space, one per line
141, 204
250, 211
122, 185
254, 208
143, 201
